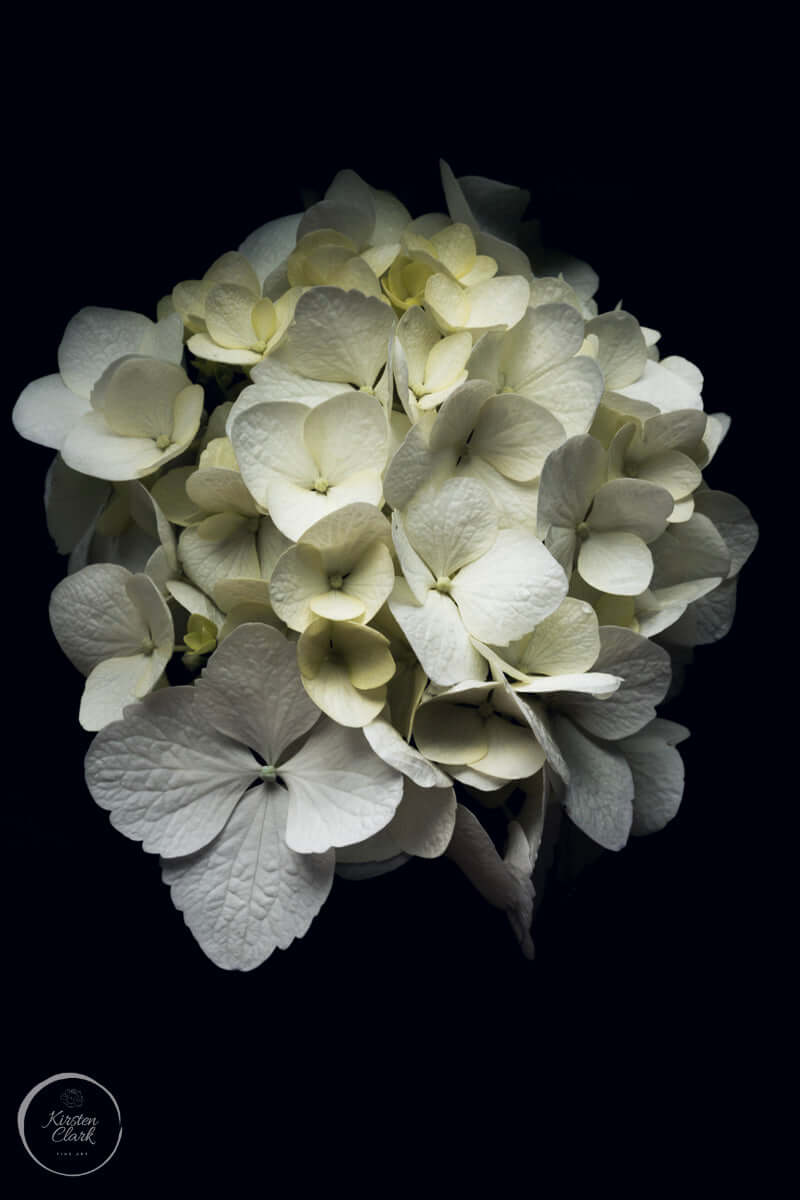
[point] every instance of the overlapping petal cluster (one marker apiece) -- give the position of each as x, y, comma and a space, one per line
422, 526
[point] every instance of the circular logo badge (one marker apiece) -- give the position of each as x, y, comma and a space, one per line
70, 1124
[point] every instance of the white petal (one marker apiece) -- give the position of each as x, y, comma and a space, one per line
622, 353
472, 850
437, 636
92, 448
691, 550
389, 745
504, 594
599, 796
168, 779
339, 791
453, 527
570, 477
47, 410
423, 823
417, 576
95, 338
515, 435
94, 617
707, 619
630, 506
658, 775
249, 894
645, 669
733, 521
268, 247
273, 380
251, 691
114, 684
268, 440
73, 502
221, 546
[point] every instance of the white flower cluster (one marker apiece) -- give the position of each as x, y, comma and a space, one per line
415, 511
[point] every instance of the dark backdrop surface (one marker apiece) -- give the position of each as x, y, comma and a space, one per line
408, 995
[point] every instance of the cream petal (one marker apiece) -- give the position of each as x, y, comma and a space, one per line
570, 391
298, 577
371, 580
347, 434
334, 694
453, 734
137, 396
619, 563
339, 336
515, 435
513, 752
545, 337
566, 642
91, 448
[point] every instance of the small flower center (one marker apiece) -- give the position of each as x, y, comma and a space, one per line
582, 530
162, 441
335, 582
321, 485
443, 584
268, 772
148, 646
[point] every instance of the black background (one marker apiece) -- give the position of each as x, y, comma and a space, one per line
406, 1019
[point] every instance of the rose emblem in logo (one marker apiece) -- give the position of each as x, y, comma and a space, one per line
72, 1098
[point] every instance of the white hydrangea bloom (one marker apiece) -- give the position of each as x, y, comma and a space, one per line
598, 525
250, 866
463, 576
444, 526
116, 628
303, 463
49, 408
